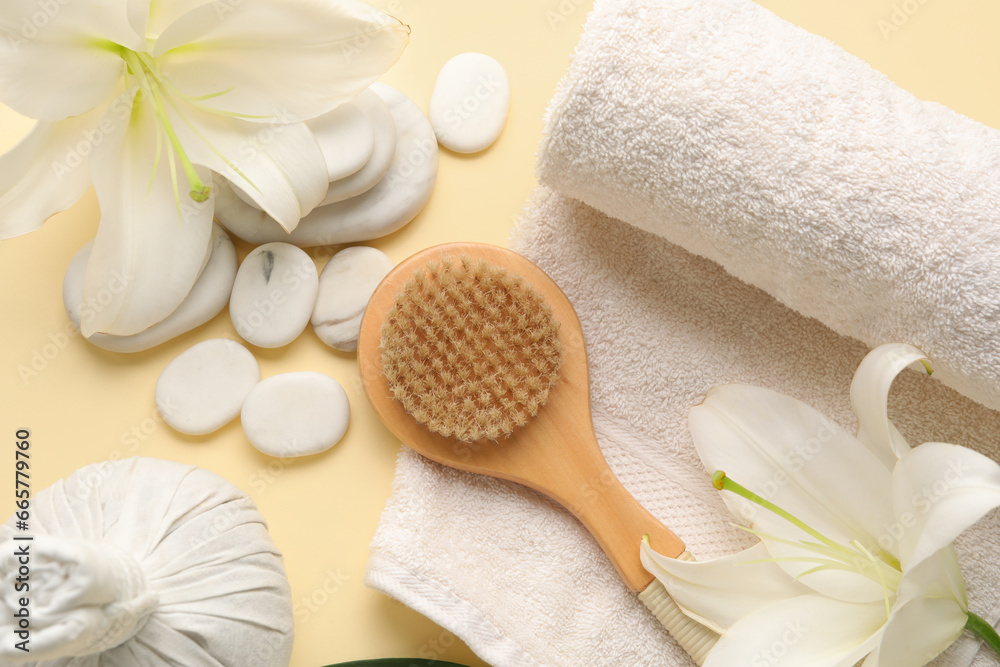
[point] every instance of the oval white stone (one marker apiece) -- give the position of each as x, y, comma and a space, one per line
273, 295
344, 183
205, 300
239, 192
346, 285
384, 131
470, 102
296, 414
346, 137
393, 202
203, 389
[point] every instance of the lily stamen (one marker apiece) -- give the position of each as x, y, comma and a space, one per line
723, 483
878, 571
149, 83
830, 554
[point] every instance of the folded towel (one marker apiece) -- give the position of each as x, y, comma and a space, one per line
514, 575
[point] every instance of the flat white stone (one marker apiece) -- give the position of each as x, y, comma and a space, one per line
344, 183
203, 389
384, 130
273, 295
346, 137
470, 102
207, 298
296, 414
392, 203
346, 285
232, 203
238, 191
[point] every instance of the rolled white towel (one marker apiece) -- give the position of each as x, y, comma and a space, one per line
794, 165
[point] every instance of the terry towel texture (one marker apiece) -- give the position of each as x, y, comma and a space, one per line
673, 118
795, 166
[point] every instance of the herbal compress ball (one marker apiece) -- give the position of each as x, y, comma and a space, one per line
147, 562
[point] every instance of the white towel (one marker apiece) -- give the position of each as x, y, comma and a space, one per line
795, 166
514, 575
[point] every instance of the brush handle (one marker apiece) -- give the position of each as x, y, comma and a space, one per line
585, 485
557, 453
693, 637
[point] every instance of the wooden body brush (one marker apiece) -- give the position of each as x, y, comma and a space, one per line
472, 356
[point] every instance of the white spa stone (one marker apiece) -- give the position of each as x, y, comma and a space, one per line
346, 285
273, 295
393, 202
231, 202
348, 183
384, 131
296, 414
205, 300
239, 192
203, 389
346, 137
470, 102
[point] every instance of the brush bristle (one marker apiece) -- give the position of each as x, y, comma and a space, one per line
470, 350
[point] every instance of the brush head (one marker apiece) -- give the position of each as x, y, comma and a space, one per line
469, 349
557, 453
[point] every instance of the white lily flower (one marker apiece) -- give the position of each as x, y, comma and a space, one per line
145, 99
856, 557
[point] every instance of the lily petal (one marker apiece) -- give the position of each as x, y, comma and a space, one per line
46, 172
138, 14
147, 254
870, 395
162, 14
718, 592
60, 59
295, 59
807, 630
936, 577
917, 632
940, 490
281, 167
799, 459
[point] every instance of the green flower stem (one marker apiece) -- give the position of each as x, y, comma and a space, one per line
979, 626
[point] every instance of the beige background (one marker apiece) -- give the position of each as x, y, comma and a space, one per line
85, 405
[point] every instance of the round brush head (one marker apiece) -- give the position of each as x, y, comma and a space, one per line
470, 350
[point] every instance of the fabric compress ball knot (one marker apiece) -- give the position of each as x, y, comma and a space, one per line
146, 562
